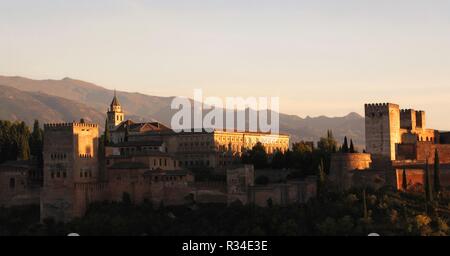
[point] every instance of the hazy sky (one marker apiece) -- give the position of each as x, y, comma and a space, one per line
321, 57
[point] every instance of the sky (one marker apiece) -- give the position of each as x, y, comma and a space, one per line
321, 57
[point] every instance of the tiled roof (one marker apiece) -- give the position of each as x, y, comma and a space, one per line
20, 164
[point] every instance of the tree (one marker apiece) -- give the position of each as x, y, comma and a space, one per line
36, 142
365, 211
270, 202
278, 160
345, 148
352, 147
437, 173
428, 191
23, 146
328, 144
404, 180
258, 156
126, 198
321, 179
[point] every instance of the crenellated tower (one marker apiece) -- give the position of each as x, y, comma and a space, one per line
70, 158
382, 130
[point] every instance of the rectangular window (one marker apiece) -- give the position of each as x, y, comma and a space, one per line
12, 183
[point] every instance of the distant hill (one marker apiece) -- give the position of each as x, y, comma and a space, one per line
69, 99
16, 105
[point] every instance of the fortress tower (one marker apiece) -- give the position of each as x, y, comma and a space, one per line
70, 158
382, 130
115, 114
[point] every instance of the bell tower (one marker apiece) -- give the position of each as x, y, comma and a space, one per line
115, 114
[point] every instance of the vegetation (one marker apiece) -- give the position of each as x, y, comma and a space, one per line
437, 174
18, 143
355, 212
304, 158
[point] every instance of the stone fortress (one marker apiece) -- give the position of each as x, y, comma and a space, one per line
396, 139
148, 161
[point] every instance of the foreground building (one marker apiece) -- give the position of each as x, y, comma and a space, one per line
396, 140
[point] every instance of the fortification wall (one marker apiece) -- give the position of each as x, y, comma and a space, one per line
415, 178
426, 150
343, 163
87, 193
283, 194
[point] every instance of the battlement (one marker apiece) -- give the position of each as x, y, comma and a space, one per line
407, 111
69, 125
372, 110
85, 156
380, 106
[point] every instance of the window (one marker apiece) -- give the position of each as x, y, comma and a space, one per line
53, 175
12, 183
58, 174
64, 175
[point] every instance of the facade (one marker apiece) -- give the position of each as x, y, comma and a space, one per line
20, 183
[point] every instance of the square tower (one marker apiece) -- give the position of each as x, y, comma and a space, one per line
420, 119
70, 157
408, 119
382, 129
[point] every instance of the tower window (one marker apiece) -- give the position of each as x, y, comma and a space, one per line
12, 183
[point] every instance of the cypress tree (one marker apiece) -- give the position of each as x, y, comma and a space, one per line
345, 146
36, 142
404, 180
437, 173
428, 191
366, 212
321, 178
22, 144
352, 147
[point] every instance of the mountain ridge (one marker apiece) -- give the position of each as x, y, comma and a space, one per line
95, 100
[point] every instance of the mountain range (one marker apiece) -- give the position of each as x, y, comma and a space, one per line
69, 99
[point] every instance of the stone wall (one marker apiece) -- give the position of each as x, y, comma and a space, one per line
342, 165
415, 178
283, 194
